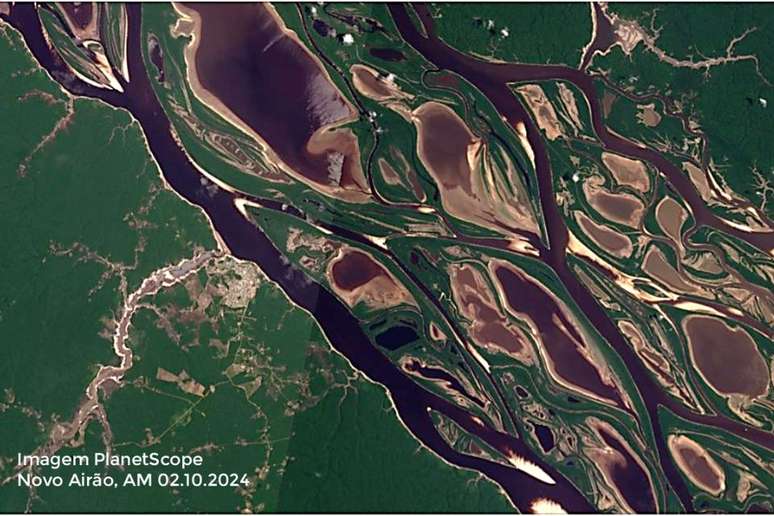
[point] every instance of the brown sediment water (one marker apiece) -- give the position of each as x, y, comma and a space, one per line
437, 333
461, 165
246, 241
343, 330
489, 327
492, 79
652, 359
356, 277
648, 115
373, 85
697, 464
656, 265
367, 82
608, 240
727, 358
621, 208
247, 61
671, 216
444, 144
355, 269
627, 171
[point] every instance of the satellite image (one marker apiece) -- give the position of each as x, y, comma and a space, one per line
383, 257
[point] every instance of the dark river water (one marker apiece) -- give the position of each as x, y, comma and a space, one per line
344, 331
492, 80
